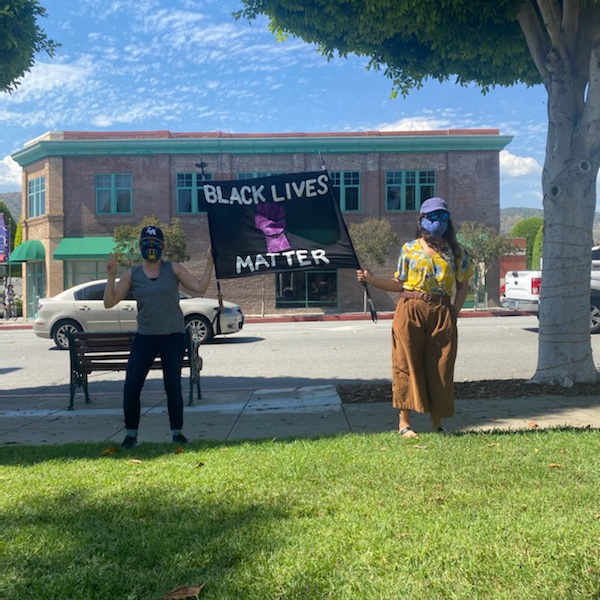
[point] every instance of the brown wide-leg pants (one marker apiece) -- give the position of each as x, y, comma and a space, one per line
424, 339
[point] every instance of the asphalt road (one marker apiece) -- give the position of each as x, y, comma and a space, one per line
297, 354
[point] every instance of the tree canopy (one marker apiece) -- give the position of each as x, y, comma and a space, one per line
528, 228
413, 40
486, 247
504, 42
372, 239
21, 38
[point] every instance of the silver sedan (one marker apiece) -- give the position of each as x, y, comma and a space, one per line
81, 308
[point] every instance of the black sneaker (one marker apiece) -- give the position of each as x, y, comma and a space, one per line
129, 442
179, 438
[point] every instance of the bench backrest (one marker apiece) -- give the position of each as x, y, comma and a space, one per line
110, 350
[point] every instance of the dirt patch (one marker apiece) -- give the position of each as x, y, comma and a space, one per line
485, 389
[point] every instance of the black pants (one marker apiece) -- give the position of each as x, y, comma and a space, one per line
144, 350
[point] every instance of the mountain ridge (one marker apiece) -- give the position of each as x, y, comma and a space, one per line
509, 217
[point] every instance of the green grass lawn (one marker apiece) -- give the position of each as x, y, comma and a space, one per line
476, 516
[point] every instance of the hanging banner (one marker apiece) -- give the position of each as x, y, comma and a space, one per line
279, 223
4, 239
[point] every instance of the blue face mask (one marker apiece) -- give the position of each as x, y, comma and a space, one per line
151, 250
435, 228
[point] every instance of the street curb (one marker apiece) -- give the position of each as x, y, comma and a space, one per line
12, 326
304, 318
367, 317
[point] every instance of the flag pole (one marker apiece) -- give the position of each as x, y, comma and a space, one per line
201, 165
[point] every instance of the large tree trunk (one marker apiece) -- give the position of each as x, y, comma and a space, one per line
569, 185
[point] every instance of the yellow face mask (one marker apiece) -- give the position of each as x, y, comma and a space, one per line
151, 250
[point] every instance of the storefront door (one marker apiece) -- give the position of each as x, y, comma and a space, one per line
36, 286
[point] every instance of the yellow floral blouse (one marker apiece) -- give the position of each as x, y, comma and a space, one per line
435, 274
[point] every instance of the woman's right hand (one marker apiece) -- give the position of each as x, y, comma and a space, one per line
363, 275
111, 266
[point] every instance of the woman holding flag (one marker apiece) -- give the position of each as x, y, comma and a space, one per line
160, 326
432, 282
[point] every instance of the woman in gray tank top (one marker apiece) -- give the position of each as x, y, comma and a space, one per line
160, 326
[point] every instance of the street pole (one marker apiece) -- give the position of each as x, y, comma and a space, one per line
9, 250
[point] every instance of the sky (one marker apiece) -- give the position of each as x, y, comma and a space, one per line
189, 66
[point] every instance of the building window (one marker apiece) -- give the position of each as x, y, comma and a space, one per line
36, 196
407, 190
113, 193
190, 192
255, 174
304, 290
346, 189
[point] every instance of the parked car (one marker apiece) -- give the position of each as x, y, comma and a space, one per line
81, 308
522, 291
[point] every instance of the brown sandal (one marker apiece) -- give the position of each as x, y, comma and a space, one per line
407, 432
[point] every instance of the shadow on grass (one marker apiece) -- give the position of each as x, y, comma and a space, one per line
139, 543
24, 455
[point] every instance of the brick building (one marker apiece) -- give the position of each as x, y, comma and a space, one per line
79, 186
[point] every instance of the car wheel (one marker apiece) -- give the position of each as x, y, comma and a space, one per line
200, 327
595, 316
59, 333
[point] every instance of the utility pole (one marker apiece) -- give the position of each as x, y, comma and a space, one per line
8, 250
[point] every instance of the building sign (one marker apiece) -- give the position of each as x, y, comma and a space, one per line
274, 224
4, 240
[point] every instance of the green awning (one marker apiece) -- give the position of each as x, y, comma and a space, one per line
87, 248
27, 251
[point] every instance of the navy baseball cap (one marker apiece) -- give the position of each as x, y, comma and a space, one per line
151, 232
432, 204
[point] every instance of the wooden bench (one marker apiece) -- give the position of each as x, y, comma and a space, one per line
110, 352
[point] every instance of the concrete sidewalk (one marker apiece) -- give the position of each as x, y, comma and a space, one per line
234, 415
41, 417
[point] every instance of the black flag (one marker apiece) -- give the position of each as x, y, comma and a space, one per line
279, 223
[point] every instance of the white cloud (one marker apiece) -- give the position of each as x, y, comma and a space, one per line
416, 124
175, 22
518, 166
49, 77
10, 174
118, 114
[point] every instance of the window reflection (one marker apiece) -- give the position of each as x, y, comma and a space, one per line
302, 290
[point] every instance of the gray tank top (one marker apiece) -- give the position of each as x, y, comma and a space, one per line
157, 299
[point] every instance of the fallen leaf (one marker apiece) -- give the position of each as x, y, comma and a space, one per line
493, 444
179, 450
420, 447
136, 461
554, 466
532, 425
110, 450
181, 593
